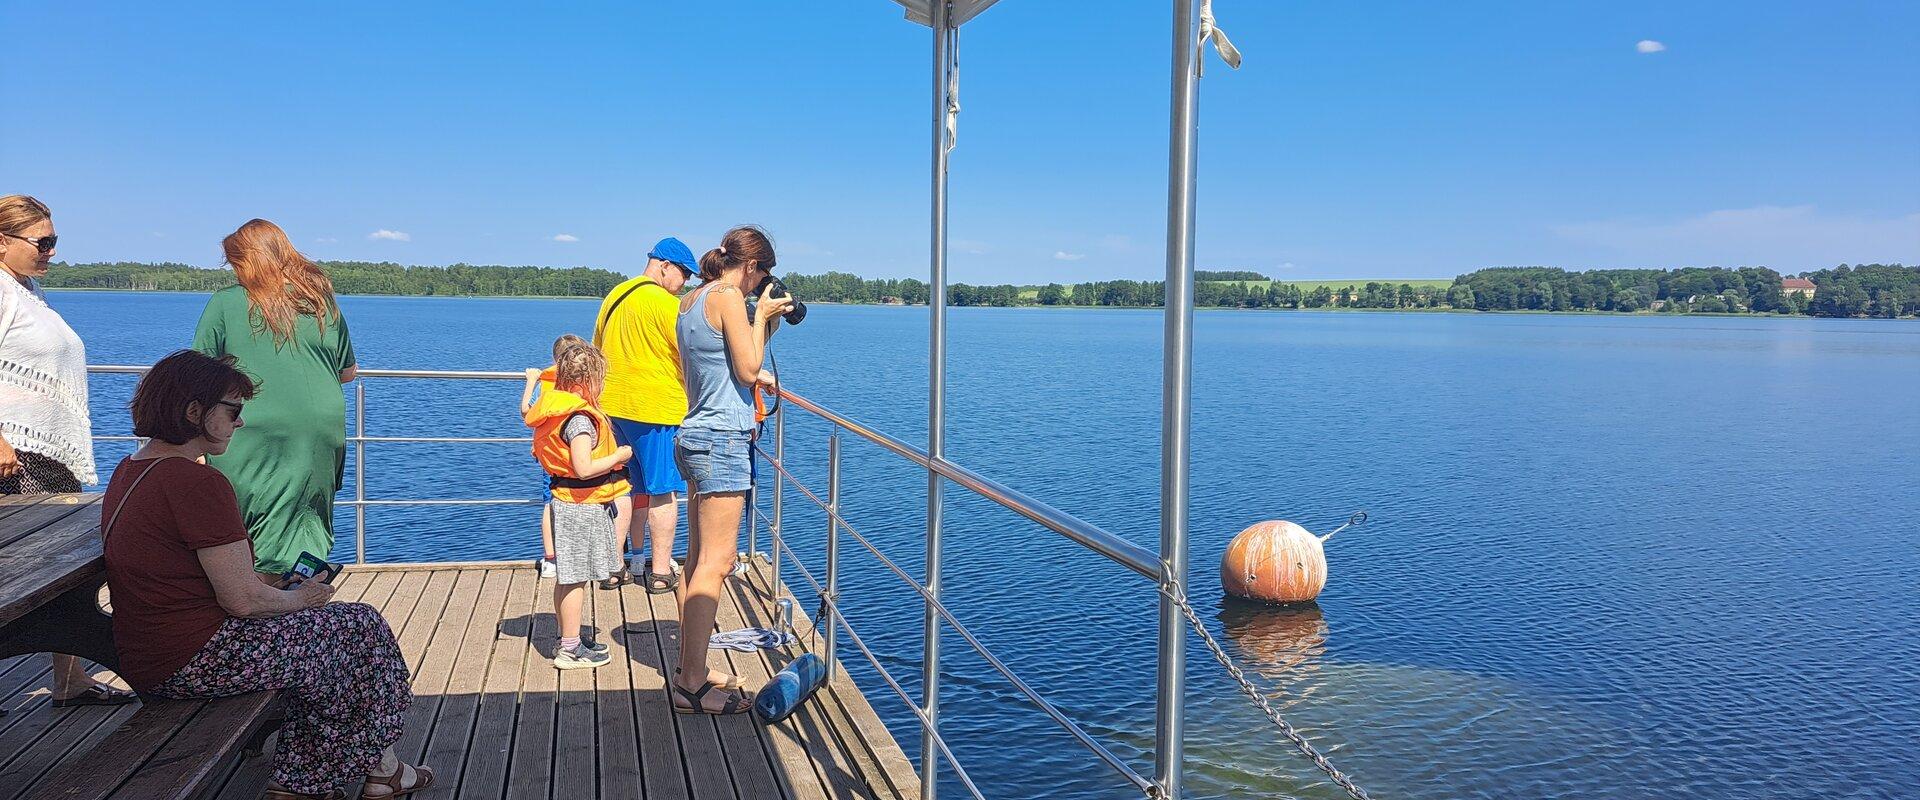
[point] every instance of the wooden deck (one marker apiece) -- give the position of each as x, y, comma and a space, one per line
495, 720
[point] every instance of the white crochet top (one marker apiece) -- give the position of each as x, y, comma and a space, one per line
43, 380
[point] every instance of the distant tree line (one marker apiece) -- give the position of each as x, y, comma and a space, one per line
1868, 290
353, 277
1876, 290
1204, 275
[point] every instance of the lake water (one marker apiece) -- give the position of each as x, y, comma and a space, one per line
1615, 557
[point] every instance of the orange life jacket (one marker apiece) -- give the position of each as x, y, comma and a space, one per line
547, 417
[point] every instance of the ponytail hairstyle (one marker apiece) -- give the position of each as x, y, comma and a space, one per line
281, 284
740, 245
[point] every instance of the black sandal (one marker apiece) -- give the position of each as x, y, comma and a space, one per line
662, 584
739, 702
617, 580
97, 695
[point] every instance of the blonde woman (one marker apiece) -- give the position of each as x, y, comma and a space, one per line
282, 326
46, 441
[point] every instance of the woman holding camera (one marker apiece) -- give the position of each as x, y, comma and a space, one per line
720, 352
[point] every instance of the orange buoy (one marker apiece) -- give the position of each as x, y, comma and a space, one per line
1275, 561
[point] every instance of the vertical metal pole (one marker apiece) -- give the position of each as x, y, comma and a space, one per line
780, 455
936, 403
1176, 383
831, 601
360, 472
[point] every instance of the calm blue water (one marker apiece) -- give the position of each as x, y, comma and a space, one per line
1609, 557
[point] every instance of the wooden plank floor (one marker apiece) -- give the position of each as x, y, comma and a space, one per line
496, 721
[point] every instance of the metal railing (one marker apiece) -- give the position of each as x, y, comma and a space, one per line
360, 439
1125, 553
1135, 558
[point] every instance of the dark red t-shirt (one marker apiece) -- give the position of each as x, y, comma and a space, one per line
164, 608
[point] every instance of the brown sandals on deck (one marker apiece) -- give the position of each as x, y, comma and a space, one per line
393, 784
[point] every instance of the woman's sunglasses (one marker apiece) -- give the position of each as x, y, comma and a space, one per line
44, 244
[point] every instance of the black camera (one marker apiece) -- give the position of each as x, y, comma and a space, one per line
794, 315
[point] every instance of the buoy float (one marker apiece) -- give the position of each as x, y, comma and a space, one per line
1278, 562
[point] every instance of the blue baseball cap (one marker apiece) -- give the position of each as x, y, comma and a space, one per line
671, 249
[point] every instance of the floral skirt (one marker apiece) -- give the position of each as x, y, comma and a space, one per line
343, 683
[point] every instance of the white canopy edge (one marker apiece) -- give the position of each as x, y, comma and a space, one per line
921, 11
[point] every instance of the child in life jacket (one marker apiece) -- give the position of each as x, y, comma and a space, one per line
573, 441
542, 380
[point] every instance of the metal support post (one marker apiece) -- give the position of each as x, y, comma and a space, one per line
829, 604
943, 38
1176, 384
780, 455
360, 472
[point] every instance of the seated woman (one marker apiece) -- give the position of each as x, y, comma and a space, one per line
192, 621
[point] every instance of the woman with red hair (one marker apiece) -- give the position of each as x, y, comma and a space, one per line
283, 328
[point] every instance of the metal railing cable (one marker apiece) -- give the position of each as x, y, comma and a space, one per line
1081, 532
1072, 728
1259, 698
854, 636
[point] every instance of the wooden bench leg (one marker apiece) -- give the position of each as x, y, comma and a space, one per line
71, 623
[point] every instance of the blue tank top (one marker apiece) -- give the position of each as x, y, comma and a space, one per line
715, 401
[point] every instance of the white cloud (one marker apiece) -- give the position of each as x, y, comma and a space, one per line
972, 247
566, 237
391, 236
1285, 267
1062, 255
326, 240
1786, 238
1649, 46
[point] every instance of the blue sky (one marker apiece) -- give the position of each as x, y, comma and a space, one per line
1358, 140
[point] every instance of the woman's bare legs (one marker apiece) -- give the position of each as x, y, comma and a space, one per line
713, 542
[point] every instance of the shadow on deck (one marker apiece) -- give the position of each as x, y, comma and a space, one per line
495, 720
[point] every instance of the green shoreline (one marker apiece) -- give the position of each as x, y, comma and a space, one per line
1737, 314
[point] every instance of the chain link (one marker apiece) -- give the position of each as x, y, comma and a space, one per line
1259, 698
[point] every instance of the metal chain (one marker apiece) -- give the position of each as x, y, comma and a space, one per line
1259, 698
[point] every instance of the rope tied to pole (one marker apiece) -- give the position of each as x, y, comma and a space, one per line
1209, 29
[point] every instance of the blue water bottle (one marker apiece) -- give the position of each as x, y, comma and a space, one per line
790, 687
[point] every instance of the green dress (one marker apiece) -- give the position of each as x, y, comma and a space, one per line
286, 462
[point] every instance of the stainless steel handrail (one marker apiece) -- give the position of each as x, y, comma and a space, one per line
1126, 553
1121, 551
835, 520
359, 440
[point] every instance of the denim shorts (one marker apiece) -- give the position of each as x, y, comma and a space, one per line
714, 460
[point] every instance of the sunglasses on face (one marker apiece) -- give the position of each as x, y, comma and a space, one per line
230, 404
44, 244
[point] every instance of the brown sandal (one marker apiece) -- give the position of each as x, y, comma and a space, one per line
734, 682
422, 779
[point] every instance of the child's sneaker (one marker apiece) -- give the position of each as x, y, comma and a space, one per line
546, 568
593, 646
582, 658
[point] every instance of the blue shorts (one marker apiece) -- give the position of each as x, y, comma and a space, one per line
716, 461
652, 470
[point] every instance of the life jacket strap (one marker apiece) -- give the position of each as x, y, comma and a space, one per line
558, 482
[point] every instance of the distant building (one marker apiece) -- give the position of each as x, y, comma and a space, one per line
890, 300
1800, 286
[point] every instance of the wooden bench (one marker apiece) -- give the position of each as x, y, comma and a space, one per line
51, 571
